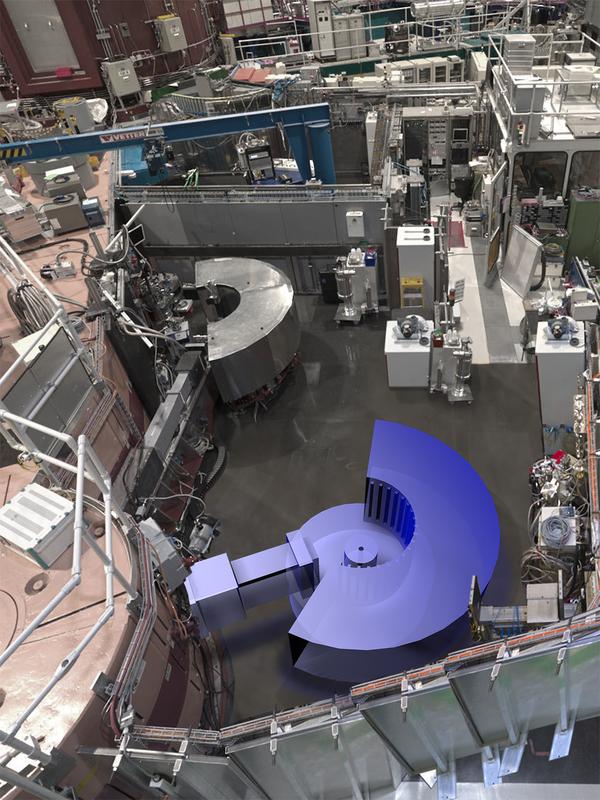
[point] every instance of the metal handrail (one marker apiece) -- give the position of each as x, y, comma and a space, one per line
505, 78
156, 194
61, 318
88, 467
519, 647
12, 265
495, 22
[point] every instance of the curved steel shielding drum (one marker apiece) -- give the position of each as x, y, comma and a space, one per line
257, 335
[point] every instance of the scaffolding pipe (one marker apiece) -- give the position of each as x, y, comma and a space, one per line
20, 781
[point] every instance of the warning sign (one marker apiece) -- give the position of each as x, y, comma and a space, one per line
10, 153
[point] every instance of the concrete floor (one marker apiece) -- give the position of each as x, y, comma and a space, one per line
309, 451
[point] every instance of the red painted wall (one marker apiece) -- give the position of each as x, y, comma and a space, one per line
81, 29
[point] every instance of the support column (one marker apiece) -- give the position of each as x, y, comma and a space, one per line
296, 136
322, 149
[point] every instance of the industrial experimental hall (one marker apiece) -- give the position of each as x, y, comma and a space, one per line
299, 400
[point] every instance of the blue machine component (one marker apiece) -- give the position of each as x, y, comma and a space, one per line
322, 150
93, 211
374, 586
296, 135
134, 168
294, 121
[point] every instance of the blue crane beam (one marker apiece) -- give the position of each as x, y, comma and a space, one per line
201, 128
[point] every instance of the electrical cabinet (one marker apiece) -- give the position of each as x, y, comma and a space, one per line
341, 37
355, 224
583, 225
456, 69
357, 35
423, 70
526, 97
438, 142
170, 34
349, 36
519, 52
321, 28
477, 66
122, 77
407, 68
559, 364
439, 67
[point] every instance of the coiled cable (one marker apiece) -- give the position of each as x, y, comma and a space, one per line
555, 531
30, 307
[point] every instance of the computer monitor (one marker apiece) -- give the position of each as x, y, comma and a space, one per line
460, 135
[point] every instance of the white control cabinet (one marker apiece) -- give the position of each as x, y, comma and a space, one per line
321, 28
407, 359
559, 365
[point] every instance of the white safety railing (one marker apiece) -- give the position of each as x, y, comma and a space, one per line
449, 30
88, 467
557, 89
15, 271
198, 106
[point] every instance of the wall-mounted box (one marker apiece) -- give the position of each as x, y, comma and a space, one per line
122, 77
355, 223
170, 34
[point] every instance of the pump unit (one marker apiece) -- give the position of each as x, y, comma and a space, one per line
65, 214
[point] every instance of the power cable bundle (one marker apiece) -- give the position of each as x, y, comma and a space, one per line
540, 566
30, 307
